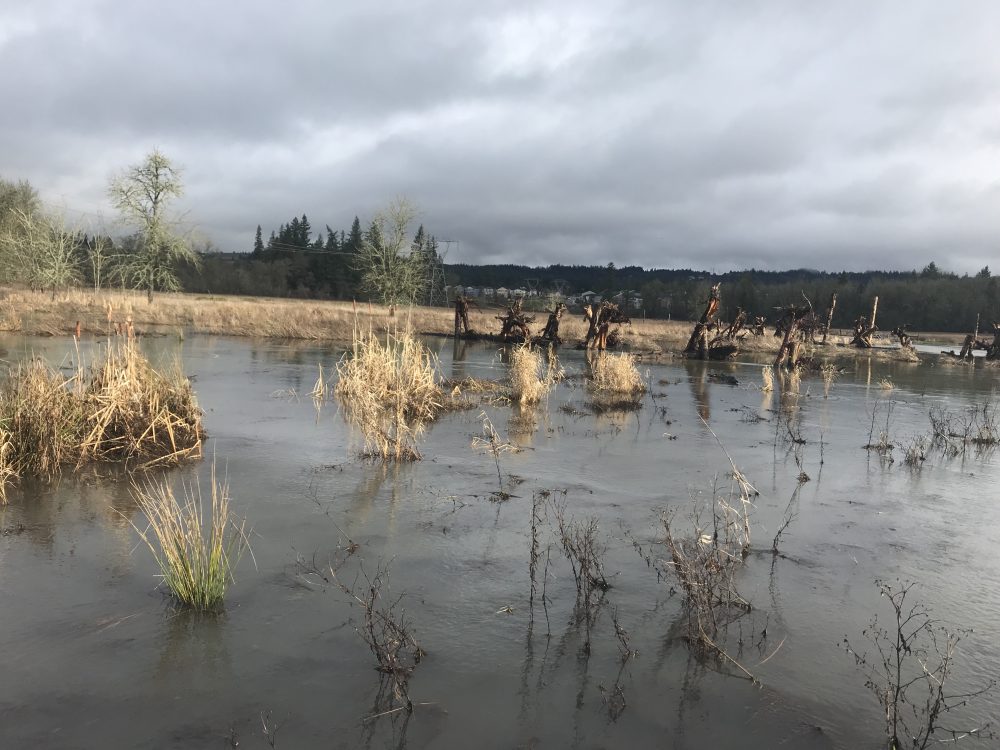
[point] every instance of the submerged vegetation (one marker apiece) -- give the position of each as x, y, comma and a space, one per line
121, 410
196, 554
389, 391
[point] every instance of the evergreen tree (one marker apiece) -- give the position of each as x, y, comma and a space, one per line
305, 230
258, 244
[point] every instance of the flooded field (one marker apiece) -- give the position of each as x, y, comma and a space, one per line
95, 655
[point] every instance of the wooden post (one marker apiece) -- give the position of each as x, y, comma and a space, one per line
829, 315
871, 323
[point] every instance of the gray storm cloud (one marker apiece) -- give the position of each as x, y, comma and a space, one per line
708, 135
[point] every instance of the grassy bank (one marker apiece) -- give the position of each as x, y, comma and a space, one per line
98, 313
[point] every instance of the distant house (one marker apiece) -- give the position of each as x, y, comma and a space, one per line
518, 292
503, 291
489, 292
629, 299
589, 298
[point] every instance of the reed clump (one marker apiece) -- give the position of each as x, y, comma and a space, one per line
616, 374
134, 411
195, 548
42, 412
530, 380
8, 473
122, 410
389, 391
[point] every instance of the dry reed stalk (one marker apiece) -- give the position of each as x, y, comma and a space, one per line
8, 471
527, 383
389, 391
616, 374
196, 556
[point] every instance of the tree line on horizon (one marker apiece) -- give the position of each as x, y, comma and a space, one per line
384, 262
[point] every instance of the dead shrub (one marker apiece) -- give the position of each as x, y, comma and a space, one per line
977, 425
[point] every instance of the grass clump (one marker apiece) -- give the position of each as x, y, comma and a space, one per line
42, 413
389, 391
135, 411
616, 374
122, 410
8, 472
196, 555
528, 384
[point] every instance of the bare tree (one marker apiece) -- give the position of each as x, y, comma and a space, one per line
389, 269
39, 250
142, 195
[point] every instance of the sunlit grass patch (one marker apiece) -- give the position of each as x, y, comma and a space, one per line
389, 391
616, 374
529, 382
195, 548
122, 410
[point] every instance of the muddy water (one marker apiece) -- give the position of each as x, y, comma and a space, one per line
95, 656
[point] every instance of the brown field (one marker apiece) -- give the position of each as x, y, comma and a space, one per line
41, 313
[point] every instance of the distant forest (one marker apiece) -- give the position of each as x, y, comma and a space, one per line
294, 261
383, 261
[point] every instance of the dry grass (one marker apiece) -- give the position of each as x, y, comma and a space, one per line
134, 411
123, 410
8, 472
196, 556
38, 313
42, 412
389, 391
616, 374
529, 383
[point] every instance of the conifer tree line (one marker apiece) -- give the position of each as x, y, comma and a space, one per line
387, 261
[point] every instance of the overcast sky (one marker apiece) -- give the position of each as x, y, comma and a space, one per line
715, 135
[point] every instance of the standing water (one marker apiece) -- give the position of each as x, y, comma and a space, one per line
96, 655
